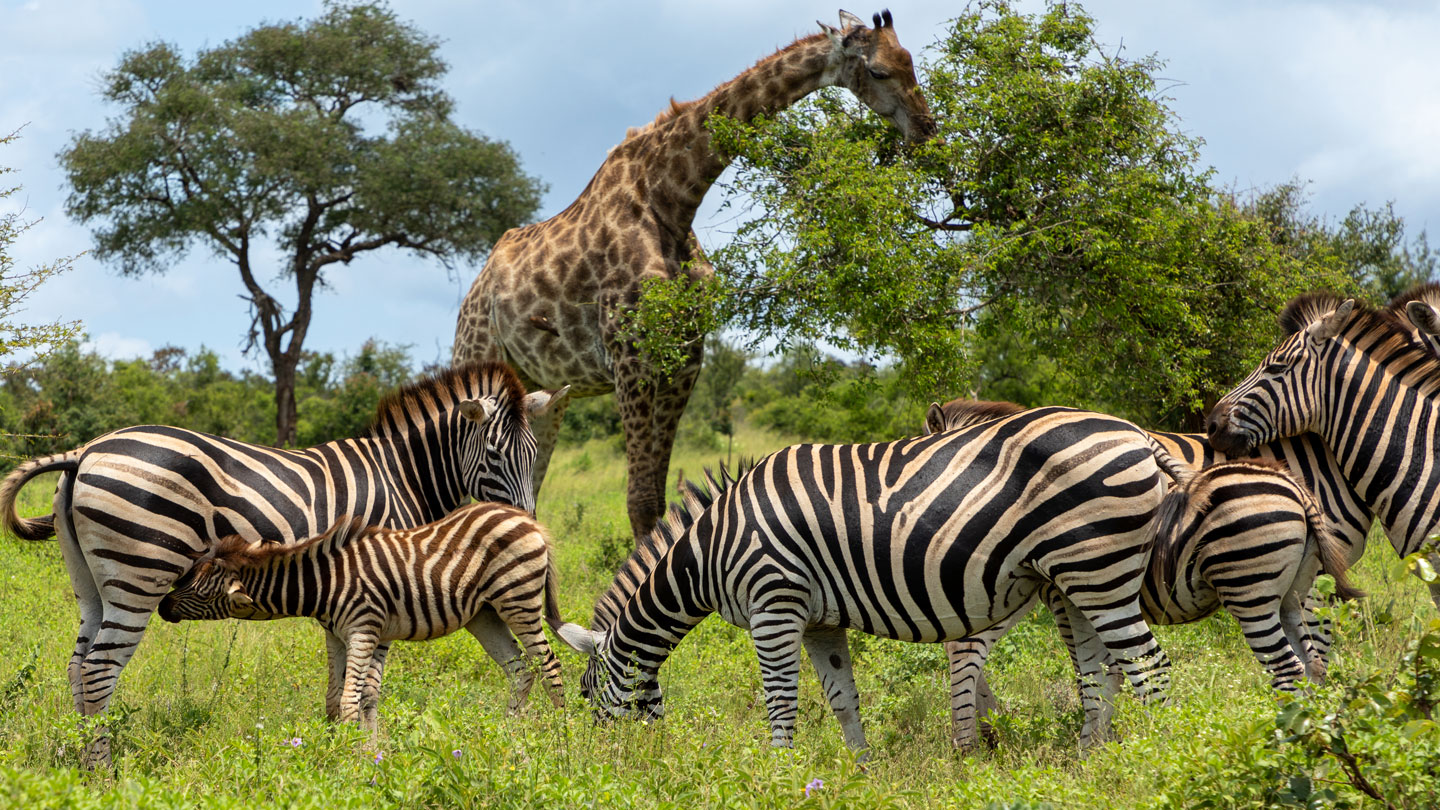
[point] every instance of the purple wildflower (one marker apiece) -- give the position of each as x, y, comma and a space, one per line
455, 753
294, 742
815, 784
378, 756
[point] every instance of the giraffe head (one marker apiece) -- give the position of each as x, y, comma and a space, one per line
872, 64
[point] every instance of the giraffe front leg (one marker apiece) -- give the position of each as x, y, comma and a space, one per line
546, 428
670, 400
635, 397
830, 654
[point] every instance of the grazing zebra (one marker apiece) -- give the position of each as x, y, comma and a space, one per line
1360, 381
486, 567
137, 505
1253, 509
923, 539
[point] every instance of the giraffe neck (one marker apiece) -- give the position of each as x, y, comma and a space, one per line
675, 152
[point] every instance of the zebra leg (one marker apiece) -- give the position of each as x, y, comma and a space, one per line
830, 653
777, 635
335, 663
1114, 676
360, 646
1089, 655
1261, 624
121, 628
526, 626
87, 595
495, 637
370, 689
970, 696
1114, 615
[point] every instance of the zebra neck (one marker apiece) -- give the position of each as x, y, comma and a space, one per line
667, 605
1386, 436
422, 479
298, 584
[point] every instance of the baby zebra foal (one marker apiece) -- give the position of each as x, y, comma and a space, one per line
486, 567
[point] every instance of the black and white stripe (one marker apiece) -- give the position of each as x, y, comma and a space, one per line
1265, 485
135, 507
486, 567
1360, 381
924, 539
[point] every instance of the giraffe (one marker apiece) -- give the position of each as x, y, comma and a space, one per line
549, 299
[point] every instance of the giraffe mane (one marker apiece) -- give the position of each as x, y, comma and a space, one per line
495, 379
1376, 333
650, 549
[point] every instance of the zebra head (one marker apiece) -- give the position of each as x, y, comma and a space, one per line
498, 451
209, 590
1281, 397
615, 688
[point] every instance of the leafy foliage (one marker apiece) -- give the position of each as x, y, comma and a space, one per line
74, 395
331, 138
1061, 212
16, 285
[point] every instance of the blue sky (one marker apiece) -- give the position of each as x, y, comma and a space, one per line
1344, 95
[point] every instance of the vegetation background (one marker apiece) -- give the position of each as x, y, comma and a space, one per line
1058, 244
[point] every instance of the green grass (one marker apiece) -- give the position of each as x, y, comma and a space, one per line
206, 712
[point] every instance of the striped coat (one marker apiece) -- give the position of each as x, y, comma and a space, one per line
485, 567
136, 506
1362, 383
925, 539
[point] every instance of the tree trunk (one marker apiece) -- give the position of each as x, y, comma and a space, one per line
285, 416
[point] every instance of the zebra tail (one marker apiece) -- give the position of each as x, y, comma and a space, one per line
40, 528
1167, 535
1172, 466
1332, 552
552, 587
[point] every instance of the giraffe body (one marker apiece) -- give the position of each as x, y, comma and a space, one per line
551, 297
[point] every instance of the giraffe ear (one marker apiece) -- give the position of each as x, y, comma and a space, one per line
848, 20
837, 37
1424, 317
934, 418
540, 402
479, 410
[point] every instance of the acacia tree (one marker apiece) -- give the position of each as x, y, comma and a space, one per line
331, 138
1060, 212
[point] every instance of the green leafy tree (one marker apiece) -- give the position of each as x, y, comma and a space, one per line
328, 138
32, 341
1061, 212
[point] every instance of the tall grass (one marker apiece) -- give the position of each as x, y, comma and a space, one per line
231, 713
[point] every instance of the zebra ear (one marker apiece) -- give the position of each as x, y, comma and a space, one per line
479, 410
239, 598
934, 418
579, 639
540, 402
1330, 325
1424, 317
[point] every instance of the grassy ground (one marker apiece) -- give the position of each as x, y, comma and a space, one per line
231, 713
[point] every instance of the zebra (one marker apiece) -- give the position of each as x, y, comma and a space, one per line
923, 539
1291, 511
486, 567
1417, 311
1359, 380
134, 507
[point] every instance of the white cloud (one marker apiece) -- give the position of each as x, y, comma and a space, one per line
115, 346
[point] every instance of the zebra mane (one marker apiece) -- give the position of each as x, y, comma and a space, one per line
1379, 334
1426, 291
237, 552
964, 412
694, 500
495, 379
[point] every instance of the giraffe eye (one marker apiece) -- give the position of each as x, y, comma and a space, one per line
878, 75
